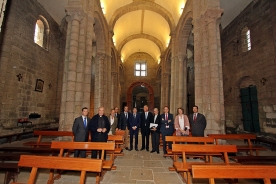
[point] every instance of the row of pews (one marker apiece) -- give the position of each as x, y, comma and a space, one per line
55, 155
230, 168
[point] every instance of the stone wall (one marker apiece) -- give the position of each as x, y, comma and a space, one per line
255, 67
150, 79
21, 57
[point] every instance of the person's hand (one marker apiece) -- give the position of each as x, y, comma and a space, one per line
185, 128
104, 130
99, 130
169, 121
116, 129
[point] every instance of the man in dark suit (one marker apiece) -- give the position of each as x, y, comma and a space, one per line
124, 125
167, 127
117, 115
80, 130
134, 123
197, 123
99, 127
155, 131
146, 119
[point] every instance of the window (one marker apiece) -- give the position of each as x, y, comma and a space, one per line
140, 69
246, 40
39, 33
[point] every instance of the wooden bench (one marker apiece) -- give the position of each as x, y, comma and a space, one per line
191, 140
122, 133
261, 160
185, 167
241, 148
18, 136
270, 142
64, 163
40, 134
117, 140
230, 171
43, 150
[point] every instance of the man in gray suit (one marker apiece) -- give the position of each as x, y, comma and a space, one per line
197, 123
80, 130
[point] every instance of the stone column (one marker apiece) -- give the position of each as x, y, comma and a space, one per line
216, 79
181, 98
68, 108
165, 90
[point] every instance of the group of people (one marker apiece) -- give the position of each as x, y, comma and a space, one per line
147, 122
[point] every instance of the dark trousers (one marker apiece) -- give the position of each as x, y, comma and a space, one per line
155, 138
145, 138
164, 141
135, 133
95, 152
82, 153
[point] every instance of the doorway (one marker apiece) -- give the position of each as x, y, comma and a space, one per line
250, 112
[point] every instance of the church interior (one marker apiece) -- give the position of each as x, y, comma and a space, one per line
58, 56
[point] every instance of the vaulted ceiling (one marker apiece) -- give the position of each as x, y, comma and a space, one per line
144, 26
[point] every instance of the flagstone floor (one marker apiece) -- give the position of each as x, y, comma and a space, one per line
139, 167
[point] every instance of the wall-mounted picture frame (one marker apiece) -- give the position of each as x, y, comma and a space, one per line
39, 85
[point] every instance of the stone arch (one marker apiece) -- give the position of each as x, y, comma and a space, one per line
100, 35
245, 81
142, 35
46, 32
143, 5
150, 90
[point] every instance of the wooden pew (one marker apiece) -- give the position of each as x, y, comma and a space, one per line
122, 133
117, 140
191, 140
104, 146
259, 160
40, 134
246, 172
185, 167
18, 136
64, 163
248, 137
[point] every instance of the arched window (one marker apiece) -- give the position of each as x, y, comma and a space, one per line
41, 34
140, 68
245, 39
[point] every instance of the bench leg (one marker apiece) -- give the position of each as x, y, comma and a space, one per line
51, 177
98, 178
82, 178
189, 178
10, 175
267, 181
211, 181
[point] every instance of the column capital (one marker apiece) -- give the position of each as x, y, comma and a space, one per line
74, 13
212, 15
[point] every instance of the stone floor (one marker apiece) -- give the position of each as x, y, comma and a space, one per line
140, 167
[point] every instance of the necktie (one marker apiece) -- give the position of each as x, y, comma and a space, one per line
134, 116
166, 116
84, 122
195, 118
146, 115
126, 115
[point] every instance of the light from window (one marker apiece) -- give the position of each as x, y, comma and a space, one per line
246, 40
140, 69
39, 33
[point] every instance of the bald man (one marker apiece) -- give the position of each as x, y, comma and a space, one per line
99, 127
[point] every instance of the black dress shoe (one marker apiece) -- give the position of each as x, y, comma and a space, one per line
157, 152
142, 149
129, 149
136, 149
152, 151
147, 149
126, 148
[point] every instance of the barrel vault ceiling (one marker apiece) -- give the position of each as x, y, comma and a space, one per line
144, 25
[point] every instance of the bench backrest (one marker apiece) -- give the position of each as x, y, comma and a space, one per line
83, 146
188, 148
231, 171
120, 132
177, 139
53, 133
233, 136
115, 138
64, 163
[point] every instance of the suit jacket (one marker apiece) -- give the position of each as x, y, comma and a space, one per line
177, 125
134, 121
164, 122
123, 121
197, 127
114, 125
145, 123
93, 126
157, 121
80, 132
118, 117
